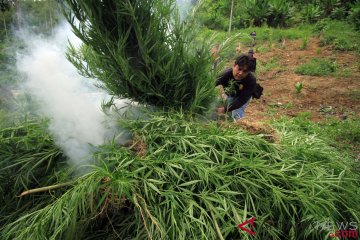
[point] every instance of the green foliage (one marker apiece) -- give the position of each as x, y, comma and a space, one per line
248, 13
338, 13
272, 64
280, 13
199, 181
214, 14
257, 11
312, 13
28, 158
264, 34
343, 73
8, 73
6, 5
355, 94
304, 43
142, 51
298, 87
275, 13
321, 26
346, 41
341, 134
39, 16
272, 12
317, 67
346, 132
328, 6
354, 15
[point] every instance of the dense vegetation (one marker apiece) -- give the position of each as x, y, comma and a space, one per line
276, 13
183, 179
182, 176
146, 56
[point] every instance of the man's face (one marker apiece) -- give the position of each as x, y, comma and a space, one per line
239, 72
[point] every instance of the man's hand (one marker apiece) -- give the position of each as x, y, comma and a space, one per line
220, 111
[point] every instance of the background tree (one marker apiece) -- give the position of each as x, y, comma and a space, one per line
5, 5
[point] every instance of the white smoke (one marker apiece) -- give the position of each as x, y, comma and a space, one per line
71, 102
184, 7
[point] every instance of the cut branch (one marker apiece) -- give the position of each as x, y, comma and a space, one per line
44, 189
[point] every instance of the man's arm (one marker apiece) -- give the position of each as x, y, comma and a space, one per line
221, 82
243, 98
223, 79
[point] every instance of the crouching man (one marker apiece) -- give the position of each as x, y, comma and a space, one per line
237, 84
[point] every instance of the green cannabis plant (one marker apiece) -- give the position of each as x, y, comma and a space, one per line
186, 179
141, 50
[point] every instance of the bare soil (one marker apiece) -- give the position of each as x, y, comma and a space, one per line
321, 96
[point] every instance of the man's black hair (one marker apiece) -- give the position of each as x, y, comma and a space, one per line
243, 60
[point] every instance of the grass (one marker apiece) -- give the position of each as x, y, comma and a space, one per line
304, 43
268, 65
187, 179
341, 134
317, 67
264, 35
343, 73
348, 40
298, 87
355, 94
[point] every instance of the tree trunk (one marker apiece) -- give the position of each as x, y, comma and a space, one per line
231, 14
4, 20
50, 15
18, 13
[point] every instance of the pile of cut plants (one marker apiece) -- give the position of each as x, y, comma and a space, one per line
182, 176
193, 179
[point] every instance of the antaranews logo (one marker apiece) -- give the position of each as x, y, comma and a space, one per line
341, 230
251, 221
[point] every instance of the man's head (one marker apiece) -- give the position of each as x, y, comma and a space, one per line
251, 53
241, 67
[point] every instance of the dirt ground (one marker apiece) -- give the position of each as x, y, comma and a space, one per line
320, 96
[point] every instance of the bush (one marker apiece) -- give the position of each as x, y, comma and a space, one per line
317, 67
338, 13
354, 15
257, 11
312, 13
280, 13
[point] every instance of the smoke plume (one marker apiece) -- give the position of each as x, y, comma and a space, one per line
184, 7
71, 102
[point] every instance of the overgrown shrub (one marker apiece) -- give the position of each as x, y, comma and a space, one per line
257, 11
312, 13
280, 13
338, 13
354, 15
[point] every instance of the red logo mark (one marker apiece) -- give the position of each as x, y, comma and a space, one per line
251, 221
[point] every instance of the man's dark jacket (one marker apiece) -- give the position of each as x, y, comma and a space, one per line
241, 91
253, 65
